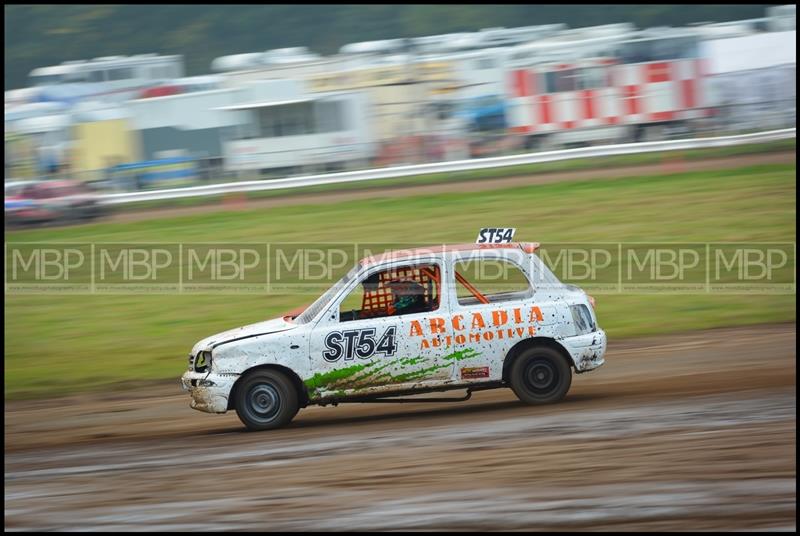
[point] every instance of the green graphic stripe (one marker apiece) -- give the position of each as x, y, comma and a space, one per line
349, 376
461, 355
411, 360
325, 378
409, 376
369, 373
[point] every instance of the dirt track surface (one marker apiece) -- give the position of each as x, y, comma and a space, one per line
671, 164
694, 431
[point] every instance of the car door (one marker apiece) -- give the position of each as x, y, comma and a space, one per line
374, 349
491, 311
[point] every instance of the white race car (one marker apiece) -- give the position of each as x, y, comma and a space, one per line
404, 323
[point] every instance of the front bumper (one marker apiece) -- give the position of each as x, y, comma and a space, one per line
209, 391
587, 351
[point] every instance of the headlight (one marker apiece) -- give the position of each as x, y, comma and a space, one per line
582, 319
202, 363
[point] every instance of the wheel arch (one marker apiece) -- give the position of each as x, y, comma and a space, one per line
297, 383
532, 342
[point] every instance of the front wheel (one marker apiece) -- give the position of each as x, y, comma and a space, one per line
540, 376
266, 400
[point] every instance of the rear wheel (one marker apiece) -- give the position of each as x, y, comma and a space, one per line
265, 400
540, 375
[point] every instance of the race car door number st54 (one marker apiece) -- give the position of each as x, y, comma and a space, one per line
361, 343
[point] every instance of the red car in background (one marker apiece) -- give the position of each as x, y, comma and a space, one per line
52, 201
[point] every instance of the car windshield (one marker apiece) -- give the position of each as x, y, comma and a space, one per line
15, 189
314, 309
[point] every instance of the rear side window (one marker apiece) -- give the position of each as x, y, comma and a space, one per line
561, 80
583, 319
592, 78
38, 193
495, 280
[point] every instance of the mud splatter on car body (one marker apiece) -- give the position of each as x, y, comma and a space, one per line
379, 349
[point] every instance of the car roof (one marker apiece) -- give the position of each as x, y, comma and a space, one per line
527, 247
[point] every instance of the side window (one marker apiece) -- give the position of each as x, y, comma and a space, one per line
393, 292
558, 81
592, 78
550, 82
565, 80
490, 281
267, 122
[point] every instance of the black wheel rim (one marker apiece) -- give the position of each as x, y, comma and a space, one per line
263, 402
541, 376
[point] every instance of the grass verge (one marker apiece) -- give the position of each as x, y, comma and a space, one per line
56, 344
606, 162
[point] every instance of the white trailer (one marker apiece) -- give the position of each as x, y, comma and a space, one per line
294, 129
109, 79
752, 79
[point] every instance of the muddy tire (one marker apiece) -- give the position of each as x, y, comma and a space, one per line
265, 400
540, 375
